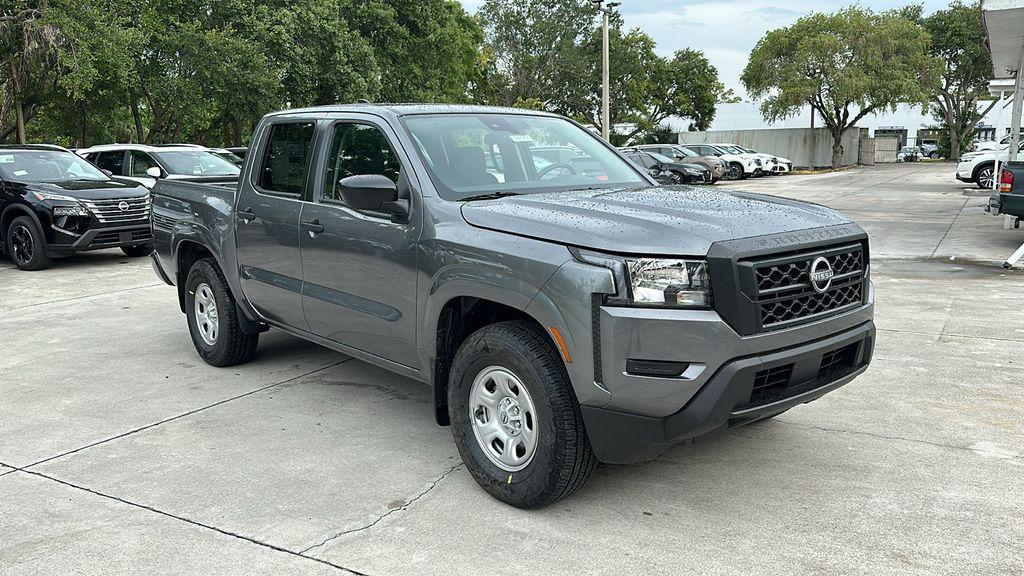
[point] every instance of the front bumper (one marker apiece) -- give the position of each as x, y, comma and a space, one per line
65, 243
737, 393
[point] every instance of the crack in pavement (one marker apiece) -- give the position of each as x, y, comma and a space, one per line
951, 224
904, 439
386, 514
182, 415
21, 307
190, 521
948, 335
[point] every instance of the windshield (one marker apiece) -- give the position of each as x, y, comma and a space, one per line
732, 149
196, 163
46, 166
685, 151
230, 156
476, 154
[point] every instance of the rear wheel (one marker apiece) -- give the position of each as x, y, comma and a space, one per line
515, 419
137, 250
213, 318
26, 244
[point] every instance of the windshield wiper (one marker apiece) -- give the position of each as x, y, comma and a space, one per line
490, 196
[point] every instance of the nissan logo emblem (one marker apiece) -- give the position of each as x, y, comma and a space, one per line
123, 206
821, 274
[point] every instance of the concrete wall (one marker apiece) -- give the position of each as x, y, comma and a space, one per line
800, 145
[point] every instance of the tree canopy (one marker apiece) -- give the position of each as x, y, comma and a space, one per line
843, 65
88, 71
80, 72
958, 42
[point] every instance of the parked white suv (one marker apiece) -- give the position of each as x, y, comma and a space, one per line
739, 165
147, 164
766, 165
781, 165
982, 145
979, 167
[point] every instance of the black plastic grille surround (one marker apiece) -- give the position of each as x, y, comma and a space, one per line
786, 295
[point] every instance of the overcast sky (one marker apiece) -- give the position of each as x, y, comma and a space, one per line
726, 30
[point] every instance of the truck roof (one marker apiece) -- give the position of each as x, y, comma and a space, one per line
408, 109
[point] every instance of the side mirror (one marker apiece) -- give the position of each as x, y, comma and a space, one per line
373, 192
155, 172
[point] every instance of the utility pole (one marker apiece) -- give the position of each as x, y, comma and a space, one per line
1018, 103
606, 12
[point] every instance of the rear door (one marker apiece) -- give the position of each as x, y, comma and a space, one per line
267, 220
359, 268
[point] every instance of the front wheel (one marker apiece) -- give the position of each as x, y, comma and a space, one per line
985, 177
26, 244
734, 172
213, 318
138, 250
515, 419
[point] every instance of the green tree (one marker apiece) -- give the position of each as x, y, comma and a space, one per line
28, 46
844, 65
728, 96
959, 45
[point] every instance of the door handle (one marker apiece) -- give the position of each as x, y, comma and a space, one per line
314, 227
246, 215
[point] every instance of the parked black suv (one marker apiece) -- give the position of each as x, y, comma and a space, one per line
54, 203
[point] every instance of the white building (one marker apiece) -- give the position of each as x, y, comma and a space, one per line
905, 122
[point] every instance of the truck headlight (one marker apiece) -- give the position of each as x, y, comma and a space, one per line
669, 282
666, 282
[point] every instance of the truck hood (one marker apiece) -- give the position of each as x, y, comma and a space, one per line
676, 220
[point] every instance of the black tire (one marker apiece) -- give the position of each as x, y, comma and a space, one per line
981, 173
563, 458
26, 244
230, 346
138, 250
734, 172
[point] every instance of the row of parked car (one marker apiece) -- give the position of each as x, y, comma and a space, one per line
704, 163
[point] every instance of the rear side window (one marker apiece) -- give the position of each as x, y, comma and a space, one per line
358, 149
286, 158
113, 161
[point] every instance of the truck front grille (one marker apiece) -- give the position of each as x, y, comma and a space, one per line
786, 295
120, 210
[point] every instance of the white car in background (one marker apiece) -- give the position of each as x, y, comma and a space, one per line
982, 145
739, 166
782, 165
146, 164
767, 161
979, 167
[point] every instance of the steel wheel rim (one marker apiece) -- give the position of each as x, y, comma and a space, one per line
206, 314
676, 178
504, 418
21, 244
985, 177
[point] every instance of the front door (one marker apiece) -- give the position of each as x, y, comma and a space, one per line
267, 222
359, 268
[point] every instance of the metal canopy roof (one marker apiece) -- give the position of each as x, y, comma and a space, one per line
1004, 20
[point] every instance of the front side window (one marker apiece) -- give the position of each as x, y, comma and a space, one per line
140, 162
286, 158
358, 149
112, 161
480, 154
46, 166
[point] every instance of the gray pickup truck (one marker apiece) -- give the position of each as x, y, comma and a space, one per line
563, 307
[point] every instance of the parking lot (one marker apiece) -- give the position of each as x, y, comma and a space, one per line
121, 452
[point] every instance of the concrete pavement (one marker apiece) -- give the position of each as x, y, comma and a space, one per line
121, 452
